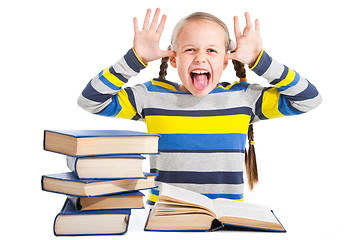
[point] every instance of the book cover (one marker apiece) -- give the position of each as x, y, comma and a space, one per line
70, 222
100, 142
128, 200
67, 183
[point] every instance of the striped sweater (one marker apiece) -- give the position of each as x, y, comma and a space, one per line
202, 141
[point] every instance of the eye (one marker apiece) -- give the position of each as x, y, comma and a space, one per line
190, 50
211, 50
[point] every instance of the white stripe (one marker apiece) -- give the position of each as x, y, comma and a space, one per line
122, 67
274, 71
297, 88
308, 104
91, 106
202, 162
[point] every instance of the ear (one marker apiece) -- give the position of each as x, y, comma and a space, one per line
226, 61
172, 60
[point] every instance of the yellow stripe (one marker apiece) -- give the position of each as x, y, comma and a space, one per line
127, 110
258, 59
229, 86
198, 125
164, 85
114, 80
288, 79
270, 103
145, 65
242, 199
153, 197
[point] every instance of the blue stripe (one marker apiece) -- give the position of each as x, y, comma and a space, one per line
197, 113
285, 107
154, 191
309, 93
293, 83
202, 151
107, 82
198, 177
118, 75
258, 105
112, 109
263, 64
150, 202
209, 195
228, 196
203, 142
90, 93
132, 61
155, 88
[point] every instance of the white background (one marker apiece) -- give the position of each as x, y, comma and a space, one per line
308, 164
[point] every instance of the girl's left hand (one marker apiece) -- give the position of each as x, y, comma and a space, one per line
248, 44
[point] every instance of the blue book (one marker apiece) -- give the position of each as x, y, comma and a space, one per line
67, 183
106, 167
100, 142
128, 200
70, 222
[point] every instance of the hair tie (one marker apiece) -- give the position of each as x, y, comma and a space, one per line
232, 46
252, 143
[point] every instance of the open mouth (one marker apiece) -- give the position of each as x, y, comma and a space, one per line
200, 78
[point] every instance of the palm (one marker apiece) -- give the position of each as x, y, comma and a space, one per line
248, 44
146, 41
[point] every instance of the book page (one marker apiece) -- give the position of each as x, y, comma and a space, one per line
231, 208
187, 196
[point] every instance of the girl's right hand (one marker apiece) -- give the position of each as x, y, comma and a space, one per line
146, 41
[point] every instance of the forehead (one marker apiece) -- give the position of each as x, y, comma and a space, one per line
200, 30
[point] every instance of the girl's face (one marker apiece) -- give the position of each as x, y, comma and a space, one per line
200, 56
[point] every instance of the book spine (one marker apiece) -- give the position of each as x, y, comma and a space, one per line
72, 164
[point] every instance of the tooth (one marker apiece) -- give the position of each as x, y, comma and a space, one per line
199, 71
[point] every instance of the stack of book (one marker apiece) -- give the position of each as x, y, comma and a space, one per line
105, 179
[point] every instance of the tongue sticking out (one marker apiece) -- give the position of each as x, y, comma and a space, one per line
200, 81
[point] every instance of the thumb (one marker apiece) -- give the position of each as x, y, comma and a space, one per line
167, 53
229, 56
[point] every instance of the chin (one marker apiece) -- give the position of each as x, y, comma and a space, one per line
198, 93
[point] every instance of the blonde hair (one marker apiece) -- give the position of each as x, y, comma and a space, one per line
250, 156
199, 16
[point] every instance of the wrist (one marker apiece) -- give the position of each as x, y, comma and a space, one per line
256, 59
140, 58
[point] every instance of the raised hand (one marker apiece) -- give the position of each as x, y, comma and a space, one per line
248, 43
146, 41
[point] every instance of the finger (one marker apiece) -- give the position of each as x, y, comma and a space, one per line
155, 20
248, 20
161, 25
136, 26
257, 25
147, 20
237, 29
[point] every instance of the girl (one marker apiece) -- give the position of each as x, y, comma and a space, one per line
203, 123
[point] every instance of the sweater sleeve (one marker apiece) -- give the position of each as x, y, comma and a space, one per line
290, 93
104, 94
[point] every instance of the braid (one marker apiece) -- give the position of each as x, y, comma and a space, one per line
163, 67
239, 69
250, 156
250, 160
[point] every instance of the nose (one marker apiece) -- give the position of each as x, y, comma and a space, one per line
200, 57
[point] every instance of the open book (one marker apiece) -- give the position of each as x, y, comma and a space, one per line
179, 209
